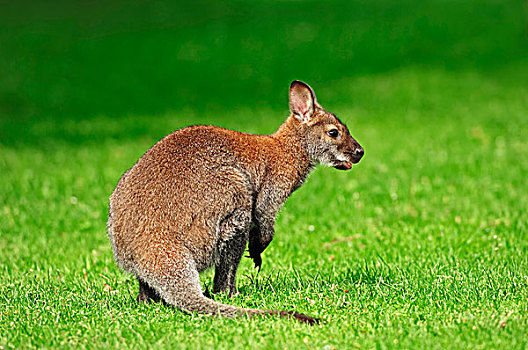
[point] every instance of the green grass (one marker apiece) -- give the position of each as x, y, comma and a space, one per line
424, 244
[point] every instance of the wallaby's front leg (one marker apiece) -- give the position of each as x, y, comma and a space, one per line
269, 200
259, 239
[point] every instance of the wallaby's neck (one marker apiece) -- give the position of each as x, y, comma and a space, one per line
291, 135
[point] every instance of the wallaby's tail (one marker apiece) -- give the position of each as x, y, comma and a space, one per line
298, 316
197, 302
180, 287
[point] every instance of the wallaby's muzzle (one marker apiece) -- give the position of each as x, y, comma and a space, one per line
353, 157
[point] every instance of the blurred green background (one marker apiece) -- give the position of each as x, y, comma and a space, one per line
79, 59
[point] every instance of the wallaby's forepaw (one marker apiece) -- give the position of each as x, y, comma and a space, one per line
257, 259
258, 262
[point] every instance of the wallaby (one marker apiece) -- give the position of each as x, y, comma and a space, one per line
197, 197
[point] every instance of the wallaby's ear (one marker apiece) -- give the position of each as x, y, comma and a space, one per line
302, 101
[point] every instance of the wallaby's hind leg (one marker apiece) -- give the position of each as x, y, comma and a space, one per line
234, 232
146, 293
177, 282
226, 268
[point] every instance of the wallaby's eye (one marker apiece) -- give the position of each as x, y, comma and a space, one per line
333, 133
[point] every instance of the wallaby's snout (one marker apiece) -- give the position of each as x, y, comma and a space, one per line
354, 156
350, 153
356, 152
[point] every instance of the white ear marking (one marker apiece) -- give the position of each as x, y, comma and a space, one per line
303, 116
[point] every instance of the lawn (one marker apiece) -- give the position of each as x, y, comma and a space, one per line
423, 244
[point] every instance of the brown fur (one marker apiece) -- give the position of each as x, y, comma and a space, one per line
197, 197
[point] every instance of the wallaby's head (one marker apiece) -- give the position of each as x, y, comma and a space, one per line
327, 139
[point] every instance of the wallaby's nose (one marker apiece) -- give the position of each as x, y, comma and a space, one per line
359, 152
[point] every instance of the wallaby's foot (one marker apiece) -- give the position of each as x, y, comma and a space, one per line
231, 291
207, 293
147, 294
142, 299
